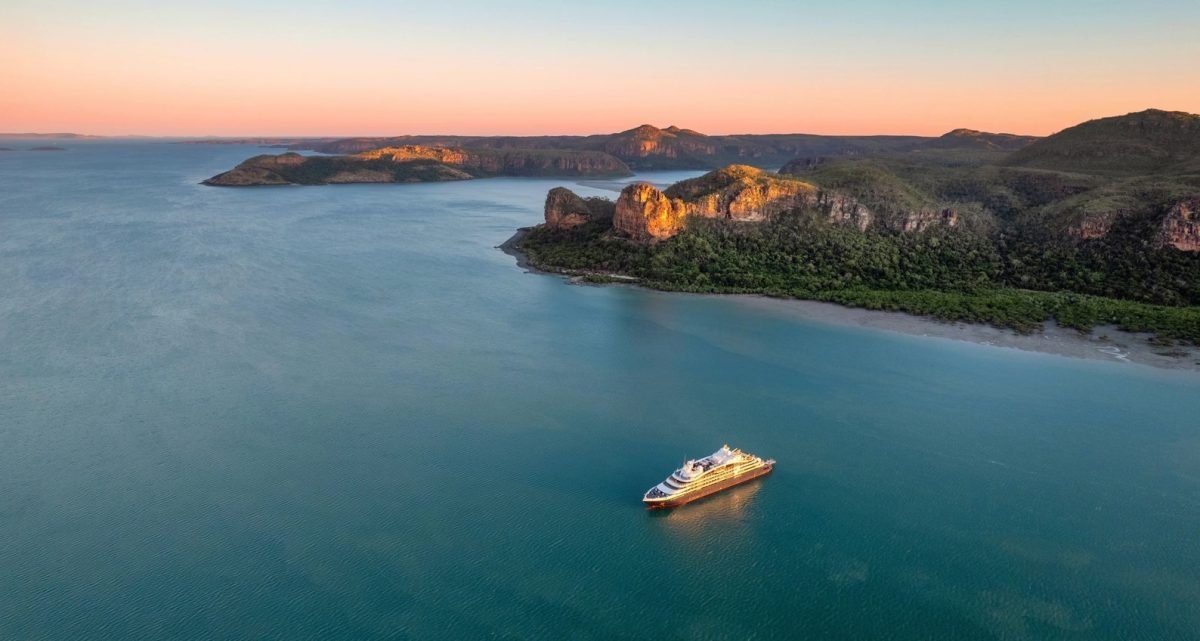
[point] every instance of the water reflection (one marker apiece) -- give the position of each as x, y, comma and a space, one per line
718, 511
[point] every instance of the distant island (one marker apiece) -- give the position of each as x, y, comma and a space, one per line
47, 148
641, 148
413, 163
38, 136
1098, 224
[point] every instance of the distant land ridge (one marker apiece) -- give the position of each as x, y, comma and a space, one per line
647, 147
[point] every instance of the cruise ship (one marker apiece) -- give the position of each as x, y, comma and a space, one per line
713, 473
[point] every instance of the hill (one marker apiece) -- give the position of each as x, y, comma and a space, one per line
1150, 141
972, 139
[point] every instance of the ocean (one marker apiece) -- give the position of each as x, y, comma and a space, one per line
340, 412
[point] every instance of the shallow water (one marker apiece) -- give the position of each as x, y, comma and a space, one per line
340, 412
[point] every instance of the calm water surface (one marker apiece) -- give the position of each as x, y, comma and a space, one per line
339, 412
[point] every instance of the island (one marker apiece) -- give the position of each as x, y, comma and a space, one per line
1096, 225
47, 148
415, 163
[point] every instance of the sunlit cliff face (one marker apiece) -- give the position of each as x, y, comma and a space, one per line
747, 194
736, 192
644, 213
445, 155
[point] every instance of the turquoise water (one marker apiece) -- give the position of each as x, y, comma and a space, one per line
340, 412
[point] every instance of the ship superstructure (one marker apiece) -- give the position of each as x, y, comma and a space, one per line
701, 477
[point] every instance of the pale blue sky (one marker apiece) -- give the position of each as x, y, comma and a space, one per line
514, 67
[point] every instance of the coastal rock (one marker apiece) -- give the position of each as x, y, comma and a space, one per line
741, 192
565, 209
1181, 227
736, 192
643, 213
747, 194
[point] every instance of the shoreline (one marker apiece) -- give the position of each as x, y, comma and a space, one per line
1103, 343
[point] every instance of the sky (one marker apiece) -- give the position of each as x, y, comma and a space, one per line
522, 67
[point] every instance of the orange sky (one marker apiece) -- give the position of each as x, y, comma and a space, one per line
531, 68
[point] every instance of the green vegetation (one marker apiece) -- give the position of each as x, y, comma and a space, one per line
1146, 142
947, 273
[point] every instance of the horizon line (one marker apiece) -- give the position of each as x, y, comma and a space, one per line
209, 136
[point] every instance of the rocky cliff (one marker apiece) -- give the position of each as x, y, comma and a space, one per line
738, 192
1181, 227
564, 209
643, 213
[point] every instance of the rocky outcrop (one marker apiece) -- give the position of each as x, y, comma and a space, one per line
565, 209
841, 209
1094, 225
741, 192
736, 192
644, 213
1181, 227
919, 220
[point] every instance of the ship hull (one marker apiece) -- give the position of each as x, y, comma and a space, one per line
710, 490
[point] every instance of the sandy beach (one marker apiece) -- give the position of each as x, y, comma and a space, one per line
1105, 343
